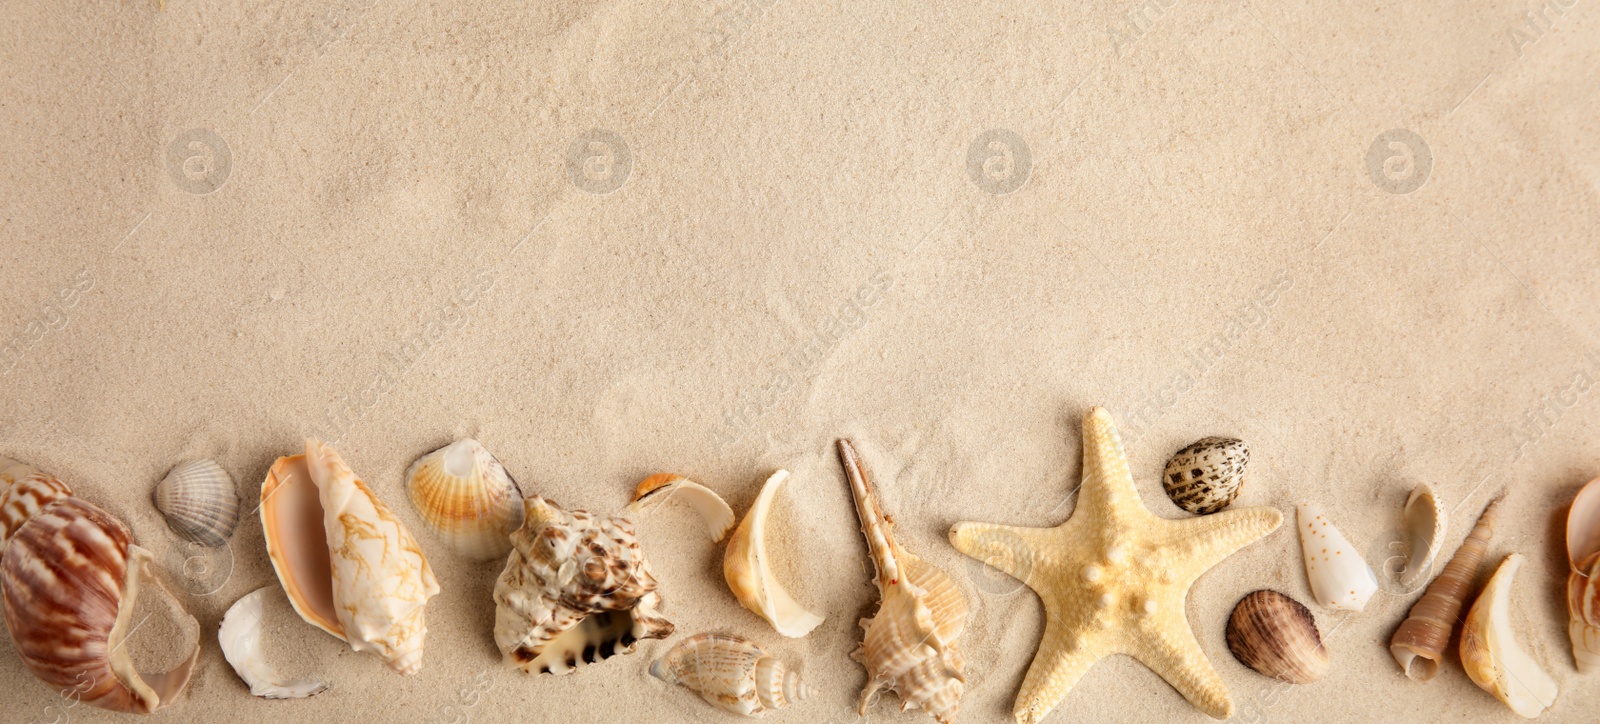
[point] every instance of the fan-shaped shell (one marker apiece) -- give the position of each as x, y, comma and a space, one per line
1277, 636
24, 491
200, 502
1205, 477
1583, 583
466, 496
731, 673
70, 581
575, 587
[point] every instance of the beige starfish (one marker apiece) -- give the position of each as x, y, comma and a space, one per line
1113, 579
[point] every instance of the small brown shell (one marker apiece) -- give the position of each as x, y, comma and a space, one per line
1419, 644
1276, 636
1205, 477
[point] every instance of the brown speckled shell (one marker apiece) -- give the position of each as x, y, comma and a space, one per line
1205, 477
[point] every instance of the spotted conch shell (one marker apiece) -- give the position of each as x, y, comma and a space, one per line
575, 587
348, 564
71, 577
1583, 583
732, 674
1418, 645
909, 647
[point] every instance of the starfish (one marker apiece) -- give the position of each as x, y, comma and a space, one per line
1113, 579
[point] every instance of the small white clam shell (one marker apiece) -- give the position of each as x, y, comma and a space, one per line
1493, 658
1340, 578
200, 502
749, 574
466, 496
240, 637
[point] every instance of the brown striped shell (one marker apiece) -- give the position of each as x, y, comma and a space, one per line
70, 579
1276, 636
1205, 477
1419, 644
24, 491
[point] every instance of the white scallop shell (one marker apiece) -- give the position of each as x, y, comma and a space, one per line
1340, 578
466, 496
200, 502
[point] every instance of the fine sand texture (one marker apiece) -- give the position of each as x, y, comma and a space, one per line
609, 239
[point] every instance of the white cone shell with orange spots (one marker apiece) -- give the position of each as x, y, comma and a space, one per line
1340, 578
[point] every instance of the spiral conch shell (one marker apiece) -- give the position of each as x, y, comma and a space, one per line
348, 564
71, 578
1583, 583
575, 586
468, 498
732, 674
748, 569
909, 646
200, 502
1418, 645
1491, 655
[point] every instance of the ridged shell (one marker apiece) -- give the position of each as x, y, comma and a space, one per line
70, 580
240, 637
466, 496
1276, 636
1340, 578
575, 587
1493, 658
1205, 477
24, 491
910, 645
200, 502
747, 568
731, 673
1418, 645
1583, 583
348, 564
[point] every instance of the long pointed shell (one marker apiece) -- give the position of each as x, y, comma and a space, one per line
24, 491
731, 673
910, 645
662, 487
1340, 578
364, 579
576, 587
1491, 655
71, 579
466, 496
1583, 583
200, 502
748, 571
1418, 645
1424, 522
240, 637
1276, 636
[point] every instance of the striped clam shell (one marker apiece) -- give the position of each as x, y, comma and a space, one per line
200, 502
466, 496
69, 580
26, 491
1276, 635
1205, 477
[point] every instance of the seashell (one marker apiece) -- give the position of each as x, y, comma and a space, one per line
468, 498
1418, 645
1583, 583
1275, 635
712, 508
200, 502
575, 586
909, 646
1423, 522
746, 567
348, 565
1205, 477
240, 637
1491, 655
731, 674
1340, 577
25, 492
71, 579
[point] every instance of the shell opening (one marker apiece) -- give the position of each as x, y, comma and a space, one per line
297, 542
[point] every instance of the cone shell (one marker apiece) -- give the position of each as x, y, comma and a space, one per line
24, 491
1275, 635
731, 673
466, 496
1583, 583
1493, 658
575, 587
1418, 645
1340, 578
71, 578
747, 567
348, 564
200, 502
1205, 477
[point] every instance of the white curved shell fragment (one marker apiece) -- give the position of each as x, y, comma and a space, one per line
746, 567
240, 638
1340, 578
1493, 658
1424, 523
661, 487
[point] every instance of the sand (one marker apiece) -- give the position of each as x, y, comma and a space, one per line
609, 239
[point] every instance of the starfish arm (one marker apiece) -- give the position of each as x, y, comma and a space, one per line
1210, 538
1063, 658
1008, 548
1107, 487
1175, 655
